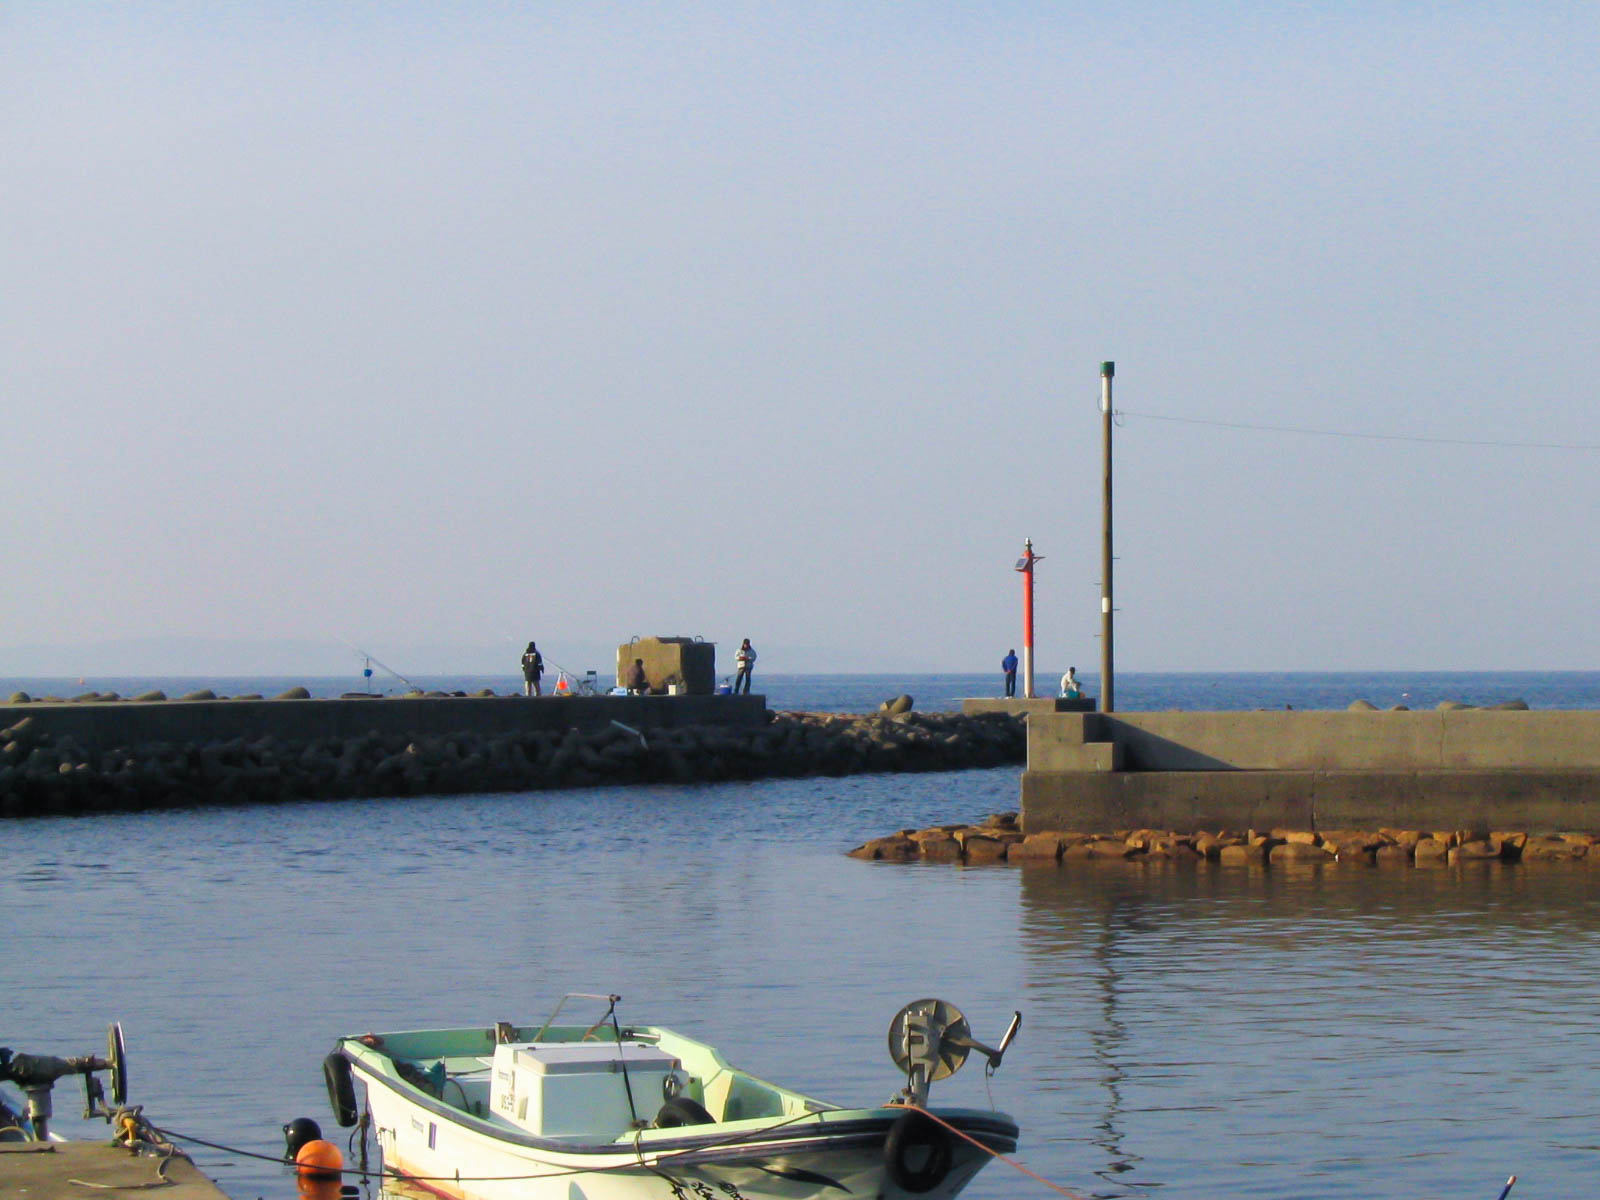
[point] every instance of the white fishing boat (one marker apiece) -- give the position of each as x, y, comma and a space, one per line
607, 1111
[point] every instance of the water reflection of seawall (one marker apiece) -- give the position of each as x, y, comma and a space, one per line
1225, 1025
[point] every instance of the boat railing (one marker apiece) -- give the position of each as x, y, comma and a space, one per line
611, 1011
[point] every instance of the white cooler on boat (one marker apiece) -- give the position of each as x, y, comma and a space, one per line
567, 1088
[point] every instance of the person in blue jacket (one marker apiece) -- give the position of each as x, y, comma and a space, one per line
1008, 664
745, 659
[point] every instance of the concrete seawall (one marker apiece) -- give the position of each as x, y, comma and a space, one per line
101, 726
76, 758
1448, 769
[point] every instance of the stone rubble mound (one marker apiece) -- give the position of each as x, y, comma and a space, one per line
42, 774
999, 839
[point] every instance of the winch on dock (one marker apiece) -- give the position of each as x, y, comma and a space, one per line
36, 1164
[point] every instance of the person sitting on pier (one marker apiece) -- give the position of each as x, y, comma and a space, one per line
637, 683
1070, 688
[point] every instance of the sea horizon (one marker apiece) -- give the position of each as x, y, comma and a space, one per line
864, 691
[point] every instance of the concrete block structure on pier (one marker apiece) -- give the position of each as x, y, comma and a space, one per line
1446, 769
687, 663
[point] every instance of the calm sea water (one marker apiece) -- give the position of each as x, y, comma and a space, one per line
1192, 1032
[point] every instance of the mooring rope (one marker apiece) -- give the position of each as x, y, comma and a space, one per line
134, 1131
660, 1159
557, 1169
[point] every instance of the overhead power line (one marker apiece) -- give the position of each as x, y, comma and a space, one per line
1373, 437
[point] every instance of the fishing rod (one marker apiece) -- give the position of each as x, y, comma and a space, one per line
567, 671
370, 661
574, 676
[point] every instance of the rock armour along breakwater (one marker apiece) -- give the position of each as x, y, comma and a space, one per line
997, 839
44, 772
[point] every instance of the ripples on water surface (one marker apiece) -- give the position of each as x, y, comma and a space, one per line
1192, 1033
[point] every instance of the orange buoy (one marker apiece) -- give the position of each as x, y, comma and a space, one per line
317, 1188
318, 1160
311, 1188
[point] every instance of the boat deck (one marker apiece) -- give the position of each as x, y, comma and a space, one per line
63, 1170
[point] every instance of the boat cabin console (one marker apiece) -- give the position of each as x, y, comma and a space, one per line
569, 1089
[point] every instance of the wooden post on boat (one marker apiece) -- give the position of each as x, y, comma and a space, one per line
1107, 690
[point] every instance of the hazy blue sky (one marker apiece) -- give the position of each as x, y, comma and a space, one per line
449, 325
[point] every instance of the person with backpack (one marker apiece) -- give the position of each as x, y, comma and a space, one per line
532, 669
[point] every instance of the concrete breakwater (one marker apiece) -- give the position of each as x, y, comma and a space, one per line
998, 839
52, 770
1455, 768
101, 723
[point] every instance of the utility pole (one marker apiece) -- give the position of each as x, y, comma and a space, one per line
1107, 690
1025, 565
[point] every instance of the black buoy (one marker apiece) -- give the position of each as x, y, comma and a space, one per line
298, 1132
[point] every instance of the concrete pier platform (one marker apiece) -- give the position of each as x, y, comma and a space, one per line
73, 1170
1191, 771
1017, 705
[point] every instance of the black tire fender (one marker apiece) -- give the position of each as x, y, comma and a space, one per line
918, 1152
341, 1089
680, 1111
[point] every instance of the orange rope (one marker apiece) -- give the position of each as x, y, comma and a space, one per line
1010, 1162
